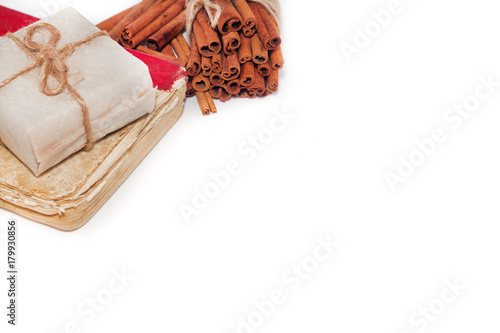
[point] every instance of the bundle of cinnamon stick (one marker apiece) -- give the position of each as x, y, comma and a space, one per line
241, 57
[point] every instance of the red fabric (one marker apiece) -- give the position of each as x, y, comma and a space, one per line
11, 20
163, 72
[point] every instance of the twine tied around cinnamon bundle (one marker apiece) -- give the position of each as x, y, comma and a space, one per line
52, 63
214, 11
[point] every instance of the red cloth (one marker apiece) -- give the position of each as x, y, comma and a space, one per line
163, 72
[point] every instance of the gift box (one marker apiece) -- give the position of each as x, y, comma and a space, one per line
65, 85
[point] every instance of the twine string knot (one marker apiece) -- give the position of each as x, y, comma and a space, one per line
214, 11
52, 62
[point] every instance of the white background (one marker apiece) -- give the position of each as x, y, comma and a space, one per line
322, 176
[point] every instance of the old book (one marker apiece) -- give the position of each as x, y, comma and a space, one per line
68, 195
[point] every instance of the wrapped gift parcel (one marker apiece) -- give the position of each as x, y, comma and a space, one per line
64, 84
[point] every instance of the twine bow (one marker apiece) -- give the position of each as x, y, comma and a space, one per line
52, 63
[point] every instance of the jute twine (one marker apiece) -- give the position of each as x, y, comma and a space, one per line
214, 11
52, 63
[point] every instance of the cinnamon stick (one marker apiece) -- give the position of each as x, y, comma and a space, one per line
259, 86
217, 63
272, 81
276, 56
247, 77
131, 37
259, 54
225, 96
245, 51
216, 91
251, 94
230, 67
152, 13
179, 50
208, 39
184, 44
158, 54
211, 102
230, 19
193, 66
183, 49
249, 32
262, 31
206, 66
201, 40
264, 93
133, 15
274, 35
165, 35
233, 87
243, 93
168, 51
190, 92
111, 22
249, 20
217, 79
201, 83
264, 69
231, 42
203, 102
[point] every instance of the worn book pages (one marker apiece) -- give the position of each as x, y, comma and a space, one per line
68, 195
44, 130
